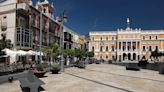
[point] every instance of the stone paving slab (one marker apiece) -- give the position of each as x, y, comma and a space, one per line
98, 78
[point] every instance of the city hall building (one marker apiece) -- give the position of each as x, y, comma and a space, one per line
126, 45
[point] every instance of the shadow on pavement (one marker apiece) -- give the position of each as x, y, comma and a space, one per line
125, 75
99, 82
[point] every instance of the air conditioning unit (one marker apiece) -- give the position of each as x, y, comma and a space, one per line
4, 26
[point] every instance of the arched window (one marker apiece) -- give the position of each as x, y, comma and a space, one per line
112, 38
150, 37
112, 48
101, 48
150, 48
156, 37
106, 48
106, 56
107, 38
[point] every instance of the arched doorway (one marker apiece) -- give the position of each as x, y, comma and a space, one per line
134, 56
129, 56
124, 56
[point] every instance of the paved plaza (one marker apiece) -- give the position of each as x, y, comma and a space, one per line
98, 78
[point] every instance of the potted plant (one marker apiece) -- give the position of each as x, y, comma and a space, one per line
55, 68
81, 64
39, 71
97, 61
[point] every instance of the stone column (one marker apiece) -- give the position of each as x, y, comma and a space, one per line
121, 46
131, 46
137, 45
126, 46
131, 56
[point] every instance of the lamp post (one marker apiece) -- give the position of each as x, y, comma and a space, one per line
40, 35
62, 19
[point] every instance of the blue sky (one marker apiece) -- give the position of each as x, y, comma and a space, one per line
109, 15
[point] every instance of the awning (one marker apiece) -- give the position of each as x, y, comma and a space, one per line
30, 52
38, 53
10, 52
21, 53
3, 56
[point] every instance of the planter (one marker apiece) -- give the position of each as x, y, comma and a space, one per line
97, 62
55, 70
133, 66
39, 73
161, 68
81, 64
143, 64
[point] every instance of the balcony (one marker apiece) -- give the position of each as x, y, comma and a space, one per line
23, 38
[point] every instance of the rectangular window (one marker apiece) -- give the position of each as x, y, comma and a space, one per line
150, 37
92, 38
4, 17
143, 37
156, 37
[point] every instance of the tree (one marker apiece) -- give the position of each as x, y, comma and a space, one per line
53, 51
155, 54
90, 54
80, 53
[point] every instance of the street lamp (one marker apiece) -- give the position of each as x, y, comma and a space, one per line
40, 34
62, 19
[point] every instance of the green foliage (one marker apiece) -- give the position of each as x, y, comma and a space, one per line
55, 65
156, 54
53, 50
39, 67
69, 52
81, 64
79, 53
90, 54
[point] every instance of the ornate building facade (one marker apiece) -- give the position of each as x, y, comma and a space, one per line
126, 45
20, 22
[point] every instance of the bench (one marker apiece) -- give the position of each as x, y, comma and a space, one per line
132, 66
30, 83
